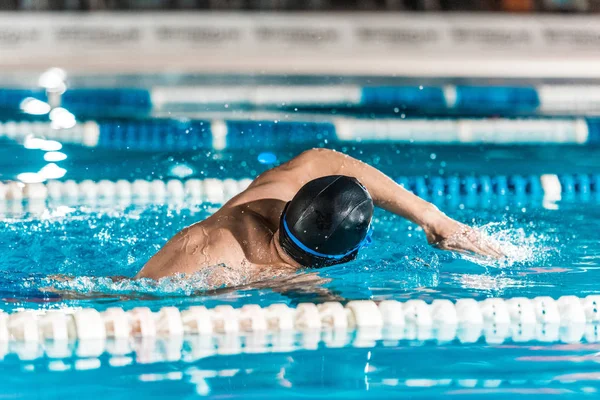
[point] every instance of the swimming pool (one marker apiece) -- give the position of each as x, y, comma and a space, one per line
92, 229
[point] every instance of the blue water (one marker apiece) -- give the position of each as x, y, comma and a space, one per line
550, 252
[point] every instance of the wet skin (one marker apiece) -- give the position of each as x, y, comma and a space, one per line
239, 244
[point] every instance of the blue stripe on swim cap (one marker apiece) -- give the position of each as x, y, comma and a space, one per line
363, 243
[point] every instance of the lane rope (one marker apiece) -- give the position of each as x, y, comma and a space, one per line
552, 187
164, 134
277, 327
515, 99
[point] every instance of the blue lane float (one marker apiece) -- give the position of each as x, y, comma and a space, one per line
246, 134
103, 100
499, 185
593, 127
155, 134
499, 98
11, 99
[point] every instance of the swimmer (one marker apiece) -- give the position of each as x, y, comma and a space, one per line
311, 212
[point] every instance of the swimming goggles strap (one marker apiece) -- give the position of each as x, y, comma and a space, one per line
363, 243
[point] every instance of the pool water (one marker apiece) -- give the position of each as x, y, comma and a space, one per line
556, 255
550, 251
545, 249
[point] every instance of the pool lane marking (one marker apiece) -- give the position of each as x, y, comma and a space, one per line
567, 319
215, 190
552, 190
450, 95
443, 131
307, 95
545, 98
277, 95
550, 98
91, 134
582, 131
568, 97
218, 129
204, 95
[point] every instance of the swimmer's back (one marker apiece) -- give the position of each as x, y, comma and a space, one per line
237, 236
240, 234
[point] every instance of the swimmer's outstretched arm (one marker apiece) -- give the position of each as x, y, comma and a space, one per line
441, 230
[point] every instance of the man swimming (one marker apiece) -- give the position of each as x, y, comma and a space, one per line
313, 211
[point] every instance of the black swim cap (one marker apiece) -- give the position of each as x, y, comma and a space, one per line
327, 222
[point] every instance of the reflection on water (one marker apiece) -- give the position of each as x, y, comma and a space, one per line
189, 367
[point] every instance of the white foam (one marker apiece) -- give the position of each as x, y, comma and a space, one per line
517, 245
179, 284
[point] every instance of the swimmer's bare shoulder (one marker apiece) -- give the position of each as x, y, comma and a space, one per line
244, 225
176, 256
235, 236
196, 247
239, 232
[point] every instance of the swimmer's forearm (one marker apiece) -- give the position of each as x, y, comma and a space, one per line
386, 193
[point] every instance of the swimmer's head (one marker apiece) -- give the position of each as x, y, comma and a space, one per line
327, 222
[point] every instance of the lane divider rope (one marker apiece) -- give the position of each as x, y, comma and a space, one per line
219, 191
158, 134
518, 99
361, 323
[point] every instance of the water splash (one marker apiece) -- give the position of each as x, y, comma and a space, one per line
492, 283
176, 285
519, 246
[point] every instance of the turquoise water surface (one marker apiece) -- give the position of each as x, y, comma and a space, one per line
552, 250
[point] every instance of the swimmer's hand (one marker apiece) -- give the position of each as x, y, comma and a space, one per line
447, 234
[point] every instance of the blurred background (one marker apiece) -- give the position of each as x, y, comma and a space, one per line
447, 38
129, 80
316, 5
